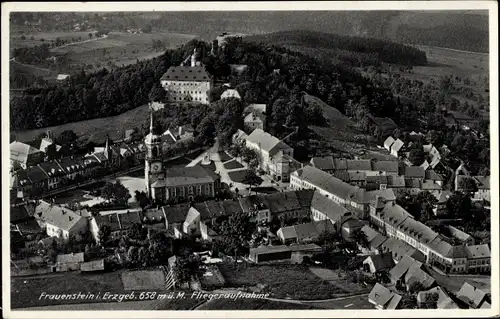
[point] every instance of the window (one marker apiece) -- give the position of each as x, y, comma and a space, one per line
207, 189
182, 191
198, 190
190, 189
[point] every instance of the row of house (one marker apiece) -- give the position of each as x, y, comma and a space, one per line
395, 222
373, 175
353, 198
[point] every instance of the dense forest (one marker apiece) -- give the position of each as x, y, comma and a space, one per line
386, 51
460, 37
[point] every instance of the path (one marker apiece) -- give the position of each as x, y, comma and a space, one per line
79, 42
29, 65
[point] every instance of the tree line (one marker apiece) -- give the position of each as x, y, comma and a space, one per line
389, 52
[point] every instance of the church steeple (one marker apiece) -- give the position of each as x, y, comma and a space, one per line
151, 123
107, 150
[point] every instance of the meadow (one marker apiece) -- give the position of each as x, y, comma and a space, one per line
95, 130
121, 48
115, 50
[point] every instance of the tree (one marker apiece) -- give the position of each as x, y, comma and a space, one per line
252, 179
360, 238
66, 138
133, 255
430, 301
142, 198
408, 301
147, 28
415, 287
90, 35
459, 205
420, 206
236, 233
138, 232
115, 192
468, 185
187, 267
427, 202
51, 152
417, 155
157, 93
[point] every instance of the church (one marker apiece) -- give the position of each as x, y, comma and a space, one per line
180, 183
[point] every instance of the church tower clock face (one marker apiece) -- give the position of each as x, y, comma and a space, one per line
155, 167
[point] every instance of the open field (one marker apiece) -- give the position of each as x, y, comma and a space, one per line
120, 48
17, 42
143, 280
281, 281
26, 291
96, 129
343, 282
116, 49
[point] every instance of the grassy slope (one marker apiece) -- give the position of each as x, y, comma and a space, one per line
96, 129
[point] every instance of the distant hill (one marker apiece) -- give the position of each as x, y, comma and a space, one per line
462, 30
365, 49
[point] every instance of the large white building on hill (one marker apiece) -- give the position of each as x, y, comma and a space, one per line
187, 83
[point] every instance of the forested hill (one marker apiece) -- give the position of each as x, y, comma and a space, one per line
107, 93
385, 51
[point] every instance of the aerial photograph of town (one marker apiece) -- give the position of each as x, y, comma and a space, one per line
249, 160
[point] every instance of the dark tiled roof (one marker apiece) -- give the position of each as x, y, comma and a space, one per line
186, 73
382, 261
359, 165
176, 213
36, 174
283, 202
305, 197
385, 166
180, 176
414, 172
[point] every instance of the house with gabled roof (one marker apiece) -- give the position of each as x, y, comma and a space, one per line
388, 143
379, 262
443, 302
382, 298
397, 147
478, 258
272, 151
374, 240
60, 221
304, 233
230, 93
471, 296
25, 155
